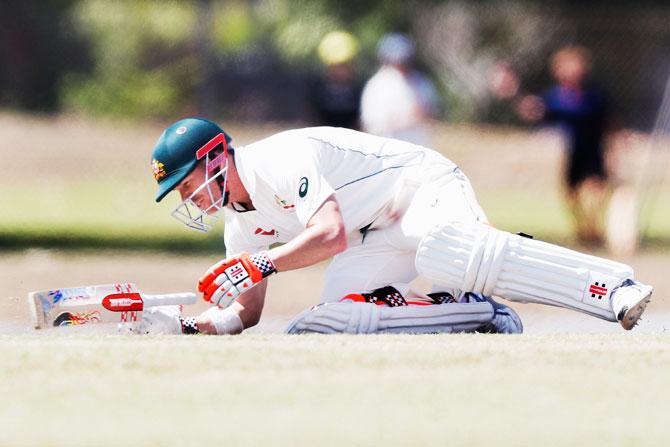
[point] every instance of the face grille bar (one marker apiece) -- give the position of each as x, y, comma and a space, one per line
188, 211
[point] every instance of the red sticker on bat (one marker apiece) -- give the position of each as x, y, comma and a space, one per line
123, 302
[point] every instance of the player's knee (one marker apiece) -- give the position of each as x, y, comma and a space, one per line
461, 256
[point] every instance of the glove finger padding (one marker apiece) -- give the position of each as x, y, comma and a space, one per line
229, 278
214, 271
214, 285
205, 280
225, 295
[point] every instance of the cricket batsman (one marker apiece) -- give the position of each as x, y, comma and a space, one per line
386, 211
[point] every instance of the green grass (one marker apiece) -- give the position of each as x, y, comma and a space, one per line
122, 215
97, 214
92, 207
90, 187
78, 215
525, 211
465, 390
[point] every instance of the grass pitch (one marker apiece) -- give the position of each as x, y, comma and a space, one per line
465, 390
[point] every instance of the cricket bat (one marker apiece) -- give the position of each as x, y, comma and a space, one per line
108, 303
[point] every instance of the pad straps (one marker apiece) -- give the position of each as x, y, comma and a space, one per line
391, 297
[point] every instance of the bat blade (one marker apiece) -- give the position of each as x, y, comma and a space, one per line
107, 303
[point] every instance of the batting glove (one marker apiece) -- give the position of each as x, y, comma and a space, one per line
228, 279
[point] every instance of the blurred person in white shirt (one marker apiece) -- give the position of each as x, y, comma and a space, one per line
398, 101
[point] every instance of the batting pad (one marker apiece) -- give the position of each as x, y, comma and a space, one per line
368, 318
479, 258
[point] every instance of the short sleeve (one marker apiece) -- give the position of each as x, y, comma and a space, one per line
309, 187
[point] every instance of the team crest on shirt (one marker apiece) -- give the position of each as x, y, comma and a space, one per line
284, 204
158, 168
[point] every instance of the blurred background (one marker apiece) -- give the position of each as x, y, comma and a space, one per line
510, 90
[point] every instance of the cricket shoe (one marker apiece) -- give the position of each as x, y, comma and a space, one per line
629, 300
505, 320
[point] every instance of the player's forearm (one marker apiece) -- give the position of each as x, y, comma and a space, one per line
325, 236
233, 278
313, 245
250, 304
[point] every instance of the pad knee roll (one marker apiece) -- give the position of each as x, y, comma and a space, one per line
479, 258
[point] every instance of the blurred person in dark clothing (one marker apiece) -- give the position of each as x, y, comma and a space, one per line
335, 96
579, 108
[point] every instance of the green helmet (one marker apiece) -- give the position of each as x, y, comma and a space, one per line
179, 149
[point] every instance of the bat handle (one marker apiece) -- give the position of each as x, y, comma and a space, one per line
168, 299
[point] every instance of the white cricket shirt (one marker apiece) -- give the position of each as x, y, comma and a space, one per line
289, 175
396, 104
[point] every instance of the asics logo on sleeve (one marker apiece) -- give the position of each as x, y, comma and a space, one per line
302, 189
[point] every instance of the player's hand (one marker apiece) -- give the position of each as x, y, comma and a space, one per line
228, 279
155, 320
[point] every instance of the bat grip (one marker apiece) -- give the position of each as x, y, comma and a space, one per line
168, 299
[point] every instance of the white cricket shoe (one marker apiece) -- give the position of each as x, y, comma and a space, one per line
629, 301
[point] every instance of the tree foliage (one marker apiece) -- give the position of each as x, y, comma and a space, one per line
158, 58
151, 56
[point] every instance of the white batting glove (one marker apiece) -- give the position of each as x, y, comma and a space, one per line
228, 279
161, 320
155, 320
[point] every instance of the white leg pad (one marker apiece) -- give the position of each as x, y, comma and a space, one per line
479, 258
368, 318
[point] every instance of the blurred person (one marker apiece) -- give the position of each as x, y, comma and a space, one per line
386, 211
504, 85
398, 101
579, 108
626, 159
503, 81
336, 95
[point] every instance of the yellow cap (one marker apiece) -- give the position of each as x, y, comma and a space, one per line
337, 47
